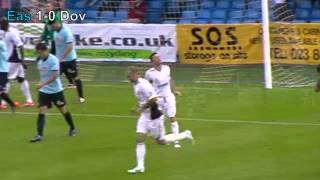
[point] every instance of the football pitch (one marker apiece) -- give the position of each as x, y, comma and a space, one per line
242, 132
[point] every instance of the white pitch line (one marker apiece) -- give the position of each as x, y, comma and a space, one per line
277, 123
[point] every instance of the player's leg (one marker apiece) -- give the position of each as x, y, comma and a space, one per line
140, 154
73, 74
41, 120
59, 101
170, 111
176, 136
64, 70
186, 135
158, 131
12, 75
142, 130
3, 91
25, 88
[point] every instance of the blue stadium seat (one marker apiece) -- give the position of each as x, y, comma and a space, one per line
234, 21
153, 17
185, 21
304, 4
223, 4
201, 21
107, 14
155, 4
90, 21
302, 13
121, 15
204, 14
79, 4
316, 20
219, 13
250, 20
315, 13
238, 4
103, 20
91, 14
75, 10
300, 21
208, 5
188, 14
254, 5
236, 14
253, 14
191, 5
217, 21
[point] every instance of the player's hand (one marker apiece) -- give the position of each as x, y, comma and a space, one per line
40, 85
177, 93
134, 111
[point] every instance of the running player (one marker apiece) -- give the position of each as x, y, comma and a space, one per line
4, 72
66, 53
17, 65
160, 78
50, 91
150, 120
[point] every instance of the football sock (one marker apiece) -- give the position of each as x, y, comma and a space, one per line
175, 127
40, 124
8, 87
175, 137
140, 152
68, 118
25, 88
7, 99
78, 83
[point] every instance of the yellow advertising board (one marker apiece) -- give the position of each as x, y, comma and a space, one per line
242, 44
295, 43
219, 44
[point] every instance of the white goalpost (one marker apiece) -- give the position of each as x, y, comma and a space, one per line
266, 44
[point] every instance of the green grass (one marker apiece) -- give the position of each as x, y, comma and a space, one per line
231, 149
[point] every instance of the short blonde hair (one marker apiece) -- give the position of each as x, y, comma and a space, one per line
133, 69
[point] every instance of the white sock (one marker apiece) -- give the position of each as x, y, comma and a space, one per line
175, 127
8, 86
175, 137
25, 88
141, 152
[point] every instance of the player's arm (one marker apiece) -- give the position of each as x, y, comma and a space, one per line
174, 89
44, 35
149, 92
148, 77
52, 78
68, 40
19, 44
152, 100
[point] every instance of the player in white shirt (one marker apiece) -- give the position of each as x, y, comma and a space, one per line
160, 78
150, 120
16, 60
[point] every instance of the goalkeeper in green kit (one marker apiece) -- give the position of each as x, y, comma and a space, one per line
47, 34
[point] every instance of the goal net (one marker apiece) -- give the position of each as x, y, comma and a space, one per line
293, 57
